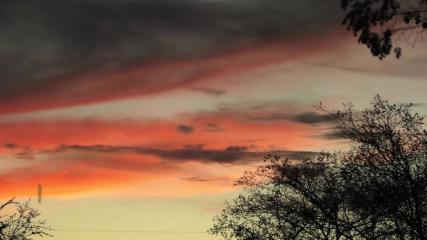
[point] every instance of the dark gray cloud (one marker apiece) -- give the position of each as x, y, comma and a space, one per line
10, 145
20, 151
307, 117
43, 42
210, 91
229, 155
313, 118
334, 135
186, 129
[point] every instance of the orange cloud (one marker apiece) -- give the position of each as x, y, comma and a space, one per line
213, 130
95, 155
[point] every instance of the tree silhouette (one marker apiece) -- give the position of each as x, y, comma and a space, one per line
377, 22
19, 222
375, 190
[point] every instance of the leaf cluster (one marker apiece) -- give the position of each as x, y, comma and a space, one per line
377, 22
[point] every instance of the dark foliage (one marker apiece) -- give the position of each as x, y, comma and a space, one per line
17, 222
377, 189
377, 22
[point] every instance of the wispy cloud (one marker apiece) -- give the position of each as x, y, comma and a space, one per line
210, 91
207, 179
229, 155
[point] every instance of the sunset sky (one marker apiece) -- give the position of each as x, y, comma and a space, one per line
137, 116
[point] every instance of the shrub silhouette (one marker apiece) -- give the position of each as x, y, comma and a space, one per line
17, 222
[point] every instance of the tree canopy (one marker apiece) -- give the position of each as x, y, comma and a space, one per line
377, 23
375, 190
18, 222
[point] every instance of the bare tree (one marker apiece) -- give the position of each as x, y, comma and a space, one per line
375, 190
17, 222
377, 23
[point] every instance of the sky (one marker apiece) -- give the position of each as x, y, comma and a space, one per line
138, 116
